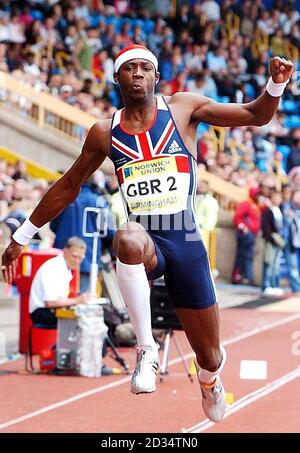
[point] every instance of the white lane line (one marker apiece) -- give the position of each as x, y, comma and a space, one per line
127, 379
258, 330
51, 407
248, 399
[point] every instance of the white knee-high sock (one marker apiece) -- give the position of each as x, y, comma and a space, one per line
133, 283
208, 377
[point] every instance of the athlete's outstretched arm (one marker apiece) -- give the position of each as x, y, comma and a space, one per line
63, 192
255, 113
66, 189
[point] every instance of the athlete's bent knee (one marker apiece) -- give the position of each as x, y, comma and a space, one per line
129, 248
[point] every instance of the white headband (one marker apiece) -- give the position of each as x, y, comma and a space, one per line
135, 53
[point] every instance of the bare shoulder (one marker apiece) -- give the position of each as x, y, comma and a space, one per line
101, 127
99, 136
186, 99
193, 105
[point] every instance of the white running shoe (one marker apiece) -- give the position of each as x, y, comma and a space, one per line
213, 400
144, 377
273, 291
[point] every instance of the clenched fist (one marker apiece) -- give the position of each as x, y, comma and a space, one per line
281, 69
9, 261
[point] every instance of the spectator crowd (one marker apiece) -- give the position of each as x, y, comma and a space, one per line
217, 49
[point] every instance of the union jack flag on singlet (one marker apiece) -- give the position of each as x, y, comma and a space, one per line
156, 173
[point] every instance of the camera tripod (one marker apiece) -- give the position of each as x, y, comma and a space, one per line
116, 356
169, 333
108, 272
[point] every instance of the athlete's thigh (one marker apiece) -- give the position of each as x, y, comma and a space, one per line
188, 276
160, 268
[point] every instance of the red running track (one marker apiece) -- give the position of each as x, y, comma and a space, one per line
45, 403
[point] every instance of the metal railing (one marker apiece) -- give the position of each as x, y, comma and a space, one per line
43, 109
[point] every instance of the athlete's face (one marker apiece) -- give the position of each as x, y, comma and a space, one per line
137, 78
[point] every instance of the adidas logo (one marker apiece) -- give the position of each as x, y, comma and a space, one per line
155, 367
174, 147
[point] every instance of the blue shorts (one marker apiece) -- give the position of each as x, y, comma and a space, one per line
186, 269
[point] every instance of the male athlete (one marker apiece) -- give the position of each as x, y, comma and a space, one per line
152, 145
